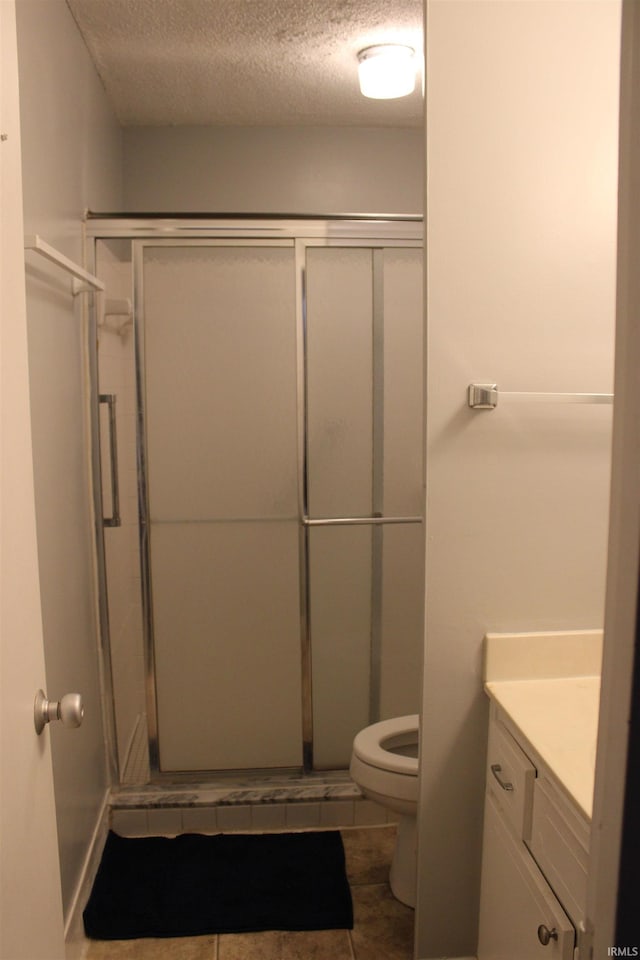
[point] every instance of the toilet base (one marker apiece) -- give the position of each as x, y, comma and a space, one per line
402, 876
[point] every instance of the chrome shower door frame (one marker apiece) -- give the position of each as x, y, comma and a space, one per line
374, 233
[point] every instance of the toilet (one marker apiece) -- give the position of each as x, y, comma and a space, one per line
384, 764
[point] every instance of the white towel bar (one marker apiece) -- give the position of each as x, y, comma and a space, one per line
82, 279
484, 396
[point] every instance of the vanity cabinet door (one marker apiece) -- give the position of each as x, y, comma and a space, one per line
516, 901
560, 840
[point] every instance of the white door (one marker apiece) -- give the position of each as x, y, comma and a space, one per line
31, 926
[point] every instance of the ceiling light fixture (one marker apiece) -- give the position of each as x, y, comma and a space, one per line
387, 71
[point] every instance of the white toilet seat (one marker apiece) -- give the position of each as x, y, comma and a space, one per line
372, 745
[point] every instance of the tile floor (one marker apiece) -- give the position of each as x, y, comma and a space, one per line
382, 930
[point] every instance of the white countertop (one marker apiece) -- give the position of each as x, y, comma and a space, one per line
558, 719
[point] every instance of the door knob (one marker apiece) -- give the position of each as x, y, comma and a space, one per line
545, 935
69, 709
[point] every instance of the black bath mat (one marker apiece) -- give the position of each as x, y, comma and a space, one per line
229, 883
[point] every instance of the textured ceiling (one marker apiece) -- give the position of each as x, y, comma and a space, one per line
266, 62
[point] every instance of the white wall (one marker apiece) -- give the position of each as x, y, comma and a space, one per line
521, 214
71, 160
297, 170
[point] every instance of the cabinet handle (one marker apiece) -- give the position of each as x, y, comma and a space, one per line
545, 935
496, 770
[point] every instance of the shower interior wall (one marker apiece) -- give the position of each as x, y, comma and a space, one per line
274, 170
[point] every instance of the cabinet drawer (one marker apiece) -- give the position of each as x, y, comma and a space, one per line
510, 779
517, 905
560, 845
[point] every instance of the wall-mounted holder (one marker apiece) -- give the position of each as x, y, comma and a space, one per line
120, 312
69, 709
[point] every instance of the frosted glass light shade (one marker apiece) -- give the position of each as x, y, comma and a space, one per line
387, 71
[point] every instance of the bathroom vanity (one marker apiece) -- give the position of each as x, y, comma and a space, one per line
539, 789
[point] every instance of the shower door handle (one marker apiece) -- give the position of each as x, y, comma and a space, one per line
114, 519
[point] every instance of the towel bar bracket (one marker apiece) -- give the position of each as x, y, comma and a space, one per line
482, 396
78, 287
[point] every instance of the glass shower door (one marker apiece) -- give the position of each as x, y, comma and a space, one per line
217, 361
364, 488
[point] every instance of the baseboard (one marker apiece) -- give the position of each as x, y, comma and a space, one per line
74, 938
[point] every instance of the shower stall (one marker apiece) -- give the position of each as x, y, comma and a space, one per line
259, 472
